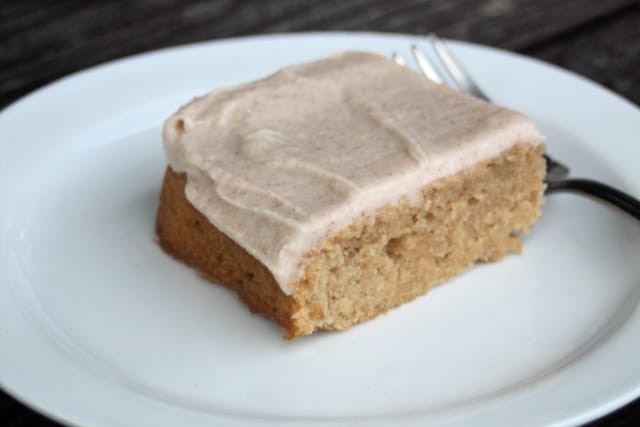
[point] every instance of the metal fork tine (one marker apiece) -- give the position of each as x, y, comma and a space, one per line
399, 59
458, 75
556, 171
426, 67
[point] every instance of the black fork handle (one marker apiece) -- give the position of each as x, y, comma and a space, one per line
601, 191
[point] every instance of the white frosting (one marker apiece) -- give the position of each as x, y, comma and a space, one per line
279, 163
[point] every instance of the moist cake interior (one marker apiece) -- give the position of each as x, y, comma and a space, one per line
332, 191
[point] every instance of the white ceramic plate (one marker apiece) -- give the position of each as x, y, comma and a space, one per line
99, 327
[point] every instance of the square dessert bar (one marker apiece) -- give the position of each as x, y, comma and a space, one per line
332, 191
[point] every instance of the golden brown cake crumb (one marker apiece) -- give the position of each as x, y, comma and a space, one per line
378, 262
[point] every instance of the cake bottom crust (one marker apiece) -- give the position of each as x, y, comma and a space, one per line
378, 262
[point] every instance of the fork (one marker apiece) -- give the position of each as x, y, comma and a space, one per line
556, 172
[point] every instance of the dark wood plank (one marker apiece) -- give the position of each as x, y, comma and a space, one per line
43, 40
609, 52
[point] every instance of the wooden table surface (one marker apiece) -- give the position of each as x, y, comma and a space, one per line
41, 41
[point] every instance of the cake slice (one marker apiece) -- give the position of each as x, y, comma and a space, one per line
332, 191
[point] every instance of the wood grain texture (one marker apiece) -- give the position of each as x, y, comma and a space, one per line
608, 53
43, 40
